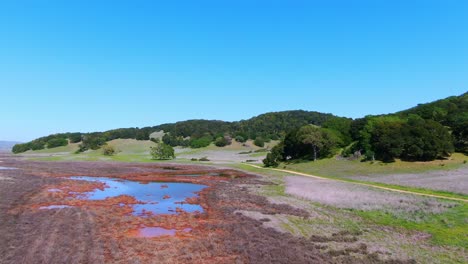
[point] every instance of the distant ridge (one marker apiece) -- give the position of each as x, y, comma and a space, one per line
6, 146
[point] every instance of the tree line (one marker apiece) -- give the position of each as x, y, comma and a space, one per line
190, 133
424, 133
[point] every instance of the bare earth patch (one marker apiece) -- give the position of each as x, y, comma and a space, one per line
99, 231
452, 180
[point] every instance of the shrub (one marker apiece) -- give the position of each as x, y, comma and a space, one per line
274, 157
259, 142
240, 139
204, 159
162, 152
57, 142
37, 145
201, 142
74, 137
108, 150
222, 142
20, 148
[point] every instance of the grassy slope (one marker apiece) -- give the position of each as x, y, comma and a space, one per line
130, 150
345, 168
448, 230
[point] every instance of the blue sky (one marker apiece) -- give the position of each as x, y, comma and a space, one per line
97, 65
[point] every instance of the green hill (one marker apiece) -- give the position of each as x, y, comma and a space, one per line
186, 133
450, 114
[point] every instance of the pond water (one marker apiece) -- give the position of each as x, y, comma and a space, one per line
54, 207
7, 168
159, 231
198, 174
157, 197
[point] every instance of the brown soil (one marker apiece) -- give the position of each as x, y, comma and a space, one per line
104, 231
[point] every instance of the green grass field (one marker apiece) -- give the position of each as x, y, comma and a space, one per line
344, 168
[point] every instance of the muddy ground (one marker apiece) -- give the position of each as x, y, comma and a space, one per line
98, 232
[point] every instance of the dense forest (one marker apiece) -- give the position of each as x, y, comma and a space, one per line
426, 132
423, 133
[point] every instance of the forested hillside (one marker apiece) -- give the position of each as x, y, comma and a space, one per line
194, 133
423, 133
426, 132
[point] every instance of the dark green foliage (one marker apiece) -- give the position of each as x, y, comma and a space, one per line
451, 112
341, 127
37, 145
308, 142
276, 124
156, 140
412, 139
426, 140
108, 150
240, 139
174, 141
202, 142
222, 141
401, 135
259, 142
320, 140
269, 126
196, 128
386, 138
75, 137
92, 141
20, 148
142, 134
57, 142
275, 156
162, 152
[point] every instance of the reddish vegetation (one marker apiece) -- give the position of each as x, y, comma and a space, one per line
106, 231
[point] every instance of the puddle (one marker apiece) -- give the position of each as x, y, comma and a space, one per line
156, 197
54, 190
159, 231
50, 207
199, 174
7, 168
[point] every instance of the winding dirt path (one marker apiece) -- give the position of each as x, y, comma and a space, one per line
364, 184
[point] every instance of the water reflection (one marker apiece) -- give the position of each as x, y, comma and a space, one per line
157, 197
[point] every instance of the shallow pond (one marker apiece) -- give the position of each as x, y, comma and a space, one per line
159, 231
199, 174
54, 207
157, 197
7, 168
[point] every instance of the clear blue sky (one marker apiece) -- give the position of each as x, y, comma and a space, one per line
97, 65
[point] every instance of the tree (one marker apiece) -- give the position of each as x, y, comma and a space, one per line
425, 140
342, 128
222, 141
74, 137
322, 141
19, 148
57, 142
162, 152
259, 142
108, 150
202, 142
240, 139
387, 139
275, 156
